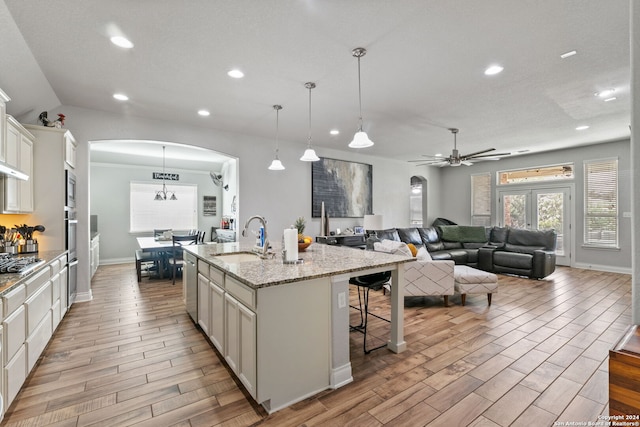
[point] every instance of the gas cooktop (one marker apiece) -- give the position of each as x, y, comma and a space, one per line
19, 264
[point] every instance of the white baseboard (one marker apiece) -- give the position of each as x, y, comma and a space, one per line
113, 261
598, 267
83, 297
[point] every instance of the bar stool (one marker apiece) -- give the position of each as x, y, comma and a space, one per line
365, 284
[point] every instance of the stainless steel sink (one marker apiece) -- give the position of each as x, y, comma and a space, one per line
238, 257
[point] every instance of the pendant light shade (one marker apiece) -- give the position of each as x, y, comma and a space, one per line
309, 154
276, 164
360, 139
162, 194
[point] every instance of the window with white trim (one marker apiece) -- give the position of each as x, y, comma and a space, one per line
481, 199
601, 203
147, 214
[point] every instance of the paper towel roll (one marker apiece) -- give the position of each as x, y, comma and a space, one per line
291, 244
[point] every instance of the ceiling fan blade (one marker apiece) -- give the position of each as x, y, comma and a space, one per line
467, 156
491, 155
466, 163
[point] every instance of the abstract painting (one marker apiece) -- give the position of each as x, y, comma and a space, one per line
344, 187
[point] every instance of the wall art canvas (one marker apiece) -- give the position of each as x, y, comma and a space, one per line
209, 205
344, 187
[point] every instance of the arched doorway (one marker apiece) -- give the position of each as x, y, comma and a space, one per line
418, 201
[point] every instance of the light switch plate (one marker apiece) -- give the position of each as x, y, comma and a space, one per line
342, 300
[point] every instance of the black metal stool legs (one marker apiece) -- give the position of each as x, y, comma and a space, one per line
362, 327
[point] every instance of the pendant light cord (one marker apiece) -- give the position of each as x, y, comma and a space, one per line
359, 93
277, 130
309, 137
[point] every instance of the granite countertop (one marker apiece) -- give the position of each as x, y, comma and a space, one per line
319, 260
9, 280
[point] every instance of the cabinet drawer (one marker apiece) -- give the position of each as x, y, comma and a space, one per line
38, 307
203, 268
56, 315
55, 265
38, 340
14, 333
14, 298
39, 279
216, 276
15, 372
55, 287
241, 292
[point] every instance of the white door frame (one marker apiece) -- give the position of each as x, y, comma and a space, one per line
532, 187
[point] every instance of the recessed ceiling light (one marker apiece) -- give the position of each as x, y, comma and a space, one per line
121, 42
492, 70
204, 113
236, 74
605, 93
613, 98
568, 54
582, 127
120, 96
334, 132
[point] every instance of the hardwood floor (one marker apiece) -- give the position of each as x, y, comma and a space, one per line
539, 354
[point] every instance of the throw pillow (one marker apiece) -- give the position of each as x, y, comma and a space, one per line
392, 247
423, 254
413, 249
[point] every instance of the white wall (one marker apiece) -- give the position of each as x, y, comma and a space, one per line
110, 201
280, 196
456, 199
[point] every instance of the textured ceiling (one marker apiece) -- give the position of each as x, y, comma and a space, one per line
423, 72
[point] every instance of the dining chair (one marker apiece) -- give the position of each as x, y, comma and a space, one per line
176, 261
201, 234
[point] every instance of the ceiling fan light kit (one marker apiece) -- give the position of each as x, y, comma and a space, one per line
360, 139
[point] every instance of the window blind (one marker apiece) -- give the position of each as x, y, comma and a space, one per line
481, 199
601, 202
147, 214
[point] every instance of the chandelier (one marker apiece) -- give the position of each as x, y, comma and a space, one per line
162, 194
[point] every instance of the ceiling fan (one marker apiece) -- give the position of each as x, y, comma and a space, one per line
457, 159
217, 180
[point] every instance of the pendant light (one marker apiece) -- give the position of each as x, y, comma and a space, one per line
360, 139
309, 154
276, 164
162, 194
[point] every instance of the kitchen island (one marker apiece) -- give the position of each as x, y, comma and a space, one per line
284, 328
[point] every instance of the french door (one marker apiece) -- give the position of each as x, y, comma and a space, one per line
539, 208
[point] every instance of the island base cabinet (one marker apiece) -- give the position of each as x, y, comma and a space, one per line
203, 303
240, 346
293, 342
216, 305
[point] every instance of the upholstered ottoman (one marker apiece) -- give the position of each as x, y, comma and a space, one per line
469, 280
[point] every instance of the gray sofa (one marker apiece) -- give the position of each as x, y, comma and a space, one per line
528, 253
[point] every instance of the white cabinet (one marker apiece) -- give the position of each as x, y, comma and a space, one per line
94, 253
240, 342
70, 149
216, 324
30, 311
203, 303
50, 159
4, 98
18, 153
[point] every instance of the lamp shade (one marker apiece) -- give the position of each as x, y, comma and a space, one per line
372, 222
276, 165
309, 156
360, 140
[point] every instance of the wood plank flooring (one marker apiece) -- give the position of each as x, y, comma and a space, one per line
538, 355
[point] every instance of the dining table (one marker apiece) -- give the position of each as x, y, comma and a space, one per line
156, 246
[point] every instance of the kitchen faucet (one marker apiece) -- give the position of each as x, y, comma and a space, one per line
265, 247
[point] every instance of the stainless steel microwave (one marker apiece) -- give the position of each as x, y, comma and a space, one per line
70, 192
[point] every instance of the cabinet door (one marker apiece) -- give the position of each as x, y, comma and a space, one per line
70, 150
15, 327
247, 352
26, 166
12, 145
232, 332
216, 330
203, 303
